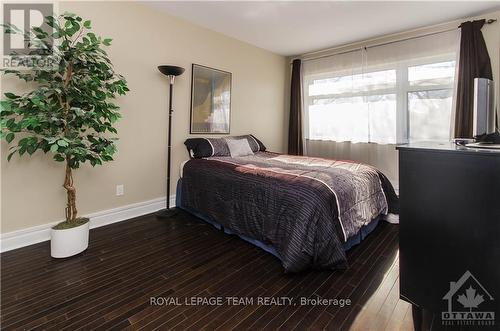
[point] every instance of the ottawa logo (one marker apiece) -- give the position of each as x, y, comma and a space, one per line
467, 303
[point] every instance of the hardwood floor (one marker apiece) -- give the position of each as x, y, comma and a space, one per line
110, 285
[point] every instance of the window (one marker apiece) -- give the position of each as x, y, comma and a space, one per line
358, 108
364, 107
396, 93
429, 95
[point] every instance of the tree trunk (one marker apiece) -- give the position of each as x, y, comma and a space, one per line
71, 193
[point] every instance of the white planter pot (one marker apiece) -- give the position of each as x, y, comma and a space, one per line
68, 242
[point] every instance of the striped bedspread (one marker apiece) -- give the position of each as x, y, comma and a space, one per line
304, 207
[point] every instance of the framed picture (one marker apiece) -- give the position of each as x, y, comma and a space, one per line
210, 100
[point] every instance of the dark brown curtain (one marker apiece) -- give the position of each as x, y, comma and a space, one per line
295, 140
474, 63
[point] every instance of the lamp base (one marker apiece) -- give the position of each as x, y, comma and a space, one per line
166, 213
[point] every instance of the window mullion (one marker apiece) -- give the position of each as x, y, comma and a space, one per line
352, 94
429, 88
402, 126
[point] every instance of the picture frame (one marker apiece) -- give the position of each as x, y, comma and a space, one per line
210, 100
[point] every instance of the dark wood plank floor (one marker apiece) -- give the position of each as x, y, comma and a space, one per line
109, 286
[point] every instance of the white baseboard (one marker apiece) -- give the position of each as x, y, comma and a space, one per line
39, 233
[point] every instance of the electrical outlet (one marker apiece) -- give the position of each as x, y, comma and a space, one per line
119, 190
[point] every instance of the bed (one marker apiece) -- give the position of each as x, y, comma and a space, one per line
306, 211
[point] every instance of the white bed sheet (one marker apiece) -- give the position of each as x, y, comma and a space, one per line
181, 168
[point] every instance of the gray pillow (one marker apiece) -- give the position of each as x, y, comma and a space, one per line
239, 147
207, 147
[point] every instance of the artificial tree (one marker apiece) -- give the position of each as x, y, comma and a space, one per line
69, 112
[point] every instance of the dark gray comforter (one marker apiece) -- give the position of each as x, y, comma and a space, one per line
303, 207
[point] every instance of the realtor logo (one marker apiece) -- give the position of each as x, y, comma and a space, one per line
24, 17
28, 39
467, 303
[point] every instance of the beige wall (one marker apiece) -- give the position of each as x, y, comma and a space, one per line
31, 192
142, 39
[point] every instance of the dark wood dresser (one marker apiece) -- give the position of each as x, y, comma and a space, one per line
450, 235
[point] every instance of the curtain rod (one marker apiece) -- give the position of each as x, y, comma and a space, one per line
489, 21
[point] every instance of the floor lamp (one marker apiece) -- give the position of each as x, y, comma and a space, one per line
170, 72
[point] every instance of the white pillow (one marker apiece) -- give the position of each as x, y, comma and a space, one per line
239, 147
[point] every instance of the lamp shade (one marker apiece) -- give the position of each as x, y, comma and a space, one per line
171, 70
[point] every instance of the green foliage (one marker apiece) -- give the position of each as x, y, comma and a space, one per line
70, 113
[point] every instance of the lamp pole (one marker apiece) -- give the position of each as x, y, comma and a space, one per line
169, 147
170, 72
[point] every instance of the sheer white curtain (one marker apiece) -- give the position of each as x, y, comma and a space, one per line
359, 104
345, 102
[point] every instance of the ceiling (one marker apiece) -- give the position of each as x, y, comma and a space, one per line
297, 27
